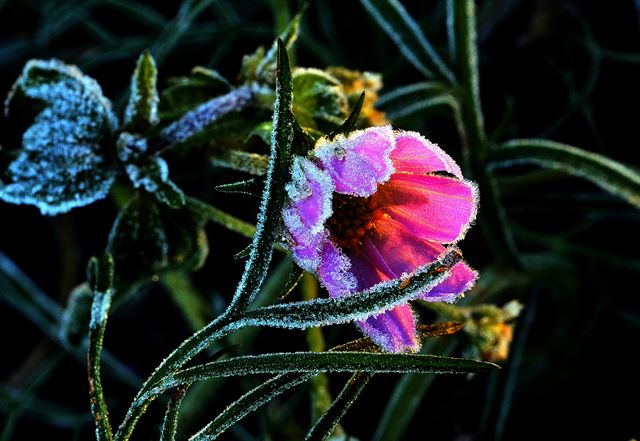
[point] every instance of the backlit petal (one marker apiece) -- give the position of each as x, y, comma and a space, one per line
416, 154
393, 330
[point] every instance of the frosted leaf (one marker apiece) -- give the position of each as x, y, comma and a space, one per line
74, 322
148, 238
61, 164
318, 99
150, 173
142, 109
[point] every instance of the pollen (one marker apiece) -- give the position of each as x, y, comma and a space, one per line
353, 218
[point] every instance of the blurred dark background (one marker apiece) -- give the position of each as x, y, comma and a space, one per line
564, 70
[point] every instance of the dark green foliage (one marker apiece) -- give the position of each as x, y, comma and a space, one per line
149, 238
75, 319
142, 109
319, 102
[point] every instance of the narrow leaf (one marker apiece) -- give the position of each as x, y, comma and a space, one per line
170, 422
251, 187
393, 18
407, 100
249, 402
313, 362
252, 163
351, 121
142, 109
358, 306
606, 173
101, 282
325, 426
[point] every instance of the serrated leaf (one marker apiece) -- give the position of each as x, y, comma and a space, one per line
185, 93
606, 173
318, 99
413, 98
61, 165
142, 109
393, 18
324, 427
148, 238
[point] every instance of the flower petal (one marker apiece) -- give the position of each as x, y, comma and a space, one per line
393, 330
359, 162
432, 207
310, 193
461, 279
305, 245
416, 154
334, 272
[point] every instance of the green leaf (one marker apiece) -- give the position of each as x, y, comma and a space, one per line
274, 194
185, 93
251, 187
101, 282
324, 311
74, 323
220, 217
350, 123
170, 422
261, 66
142, 109
252, 163
414, 98
249, 402
148, 238
61, 165
606, 173
313, 362
318, 99
324, 427
393, 18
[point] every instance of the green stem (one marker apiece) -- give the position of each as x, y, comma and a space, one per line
470, 123
170, 423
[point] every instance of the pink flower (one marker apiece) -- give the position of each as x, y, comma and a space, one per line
372, 206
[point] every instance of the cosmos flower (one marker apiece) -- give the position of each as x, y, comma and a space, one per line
373, 206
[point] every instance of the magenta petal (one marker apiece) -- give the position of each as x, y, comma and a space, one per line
334, 271
461, 279
393, 330
432, 207
359, 162
305, 245
310, 192
416, 154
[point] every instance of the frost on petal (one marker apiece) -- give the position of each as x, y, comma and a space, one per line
461, 279
432, 207
310, 192
305, 245
416, 154
359, 162
394, 330
334, 272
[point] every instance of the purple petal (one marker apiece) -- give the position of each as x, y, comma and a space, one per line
416, 154
310, 192
359, 162
305, 245
334, 272
431, 207
461, 279
393, 330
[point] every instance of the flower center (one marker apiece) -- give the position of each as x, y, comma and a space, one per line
353, 217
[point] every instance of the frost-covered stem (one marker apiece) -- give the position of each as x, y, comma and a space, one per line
99, 312
320, 396
206, 114
470, 123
